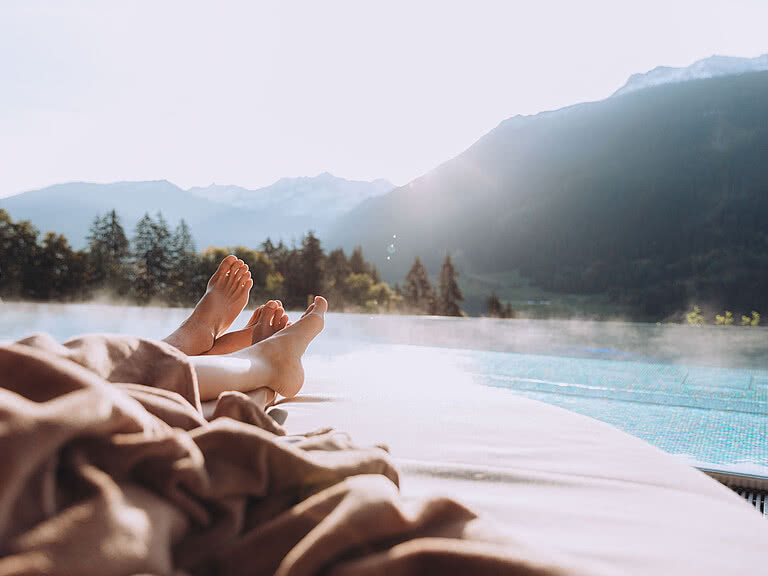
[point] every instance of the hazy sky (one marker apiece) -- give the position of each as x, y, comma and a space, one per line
247, 92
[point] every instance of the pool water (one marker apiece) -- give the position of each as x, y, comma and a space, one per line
717, 417
701, 394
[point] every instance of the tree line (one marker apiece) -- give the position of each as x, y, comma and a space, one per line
160, 265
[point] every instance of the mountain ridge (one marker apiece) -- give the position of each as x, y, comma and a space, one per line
281, 218
309, 194
641, 197
711, 67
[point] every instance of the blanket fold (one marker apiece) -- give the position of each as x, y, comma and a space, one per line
109, 467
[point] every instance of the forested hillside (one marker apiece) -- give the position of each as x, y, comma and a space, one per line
657, 198
160, 265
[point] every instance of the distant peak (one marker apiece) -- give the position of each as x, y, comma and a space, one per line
711, 67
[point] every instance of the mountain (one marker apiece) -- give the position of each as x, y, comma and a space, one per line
324, 195
292, 206
69, 209
218, 215
711, 67
656, 199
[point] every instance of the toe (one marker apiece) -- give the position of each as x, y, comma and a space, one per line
243, 289
241, 277
234, 267
283, 322
276, 318
255, 317
241, 272
320, 305
303, 331
270, 309
309, 310
226, 263
317, 309
223, 269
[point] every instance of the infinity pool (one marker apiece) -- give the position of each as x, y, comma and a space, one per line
698, 393
717, 417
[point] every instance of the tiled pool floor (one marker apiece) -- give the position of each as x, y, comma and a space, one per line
717, 417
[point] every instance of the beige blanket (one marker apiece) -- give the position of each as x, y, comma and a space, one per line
107, 466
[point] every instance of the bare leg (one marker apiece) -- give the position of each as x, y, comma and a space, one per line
225, 298
272, 363
265, 321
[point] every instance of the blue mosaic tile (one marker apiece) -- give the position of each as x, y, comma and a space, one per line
715, 416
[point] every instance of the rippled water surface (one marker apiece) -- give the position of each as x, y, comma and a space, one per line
701, 393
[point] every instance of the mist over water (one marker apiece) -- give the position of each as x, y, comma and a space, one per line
726, 347
716, 346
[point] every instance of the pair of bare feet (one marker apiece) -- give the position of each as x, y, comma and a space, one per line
266, 352
205, 331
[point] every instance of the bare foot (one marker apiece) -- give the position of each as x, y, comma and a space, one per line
273, 363
282, 352
225, 297
265, 321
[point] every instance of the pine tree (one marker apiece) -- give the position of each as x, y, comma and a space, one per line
294, 286
268, 248
375, 275
336, 272
152, 250
357, 263
162, 252
97, 253
280, 255
184, 280
337, 268
47, 271
312, 265
450, 293
118, 252
108, 252
24, 254
18, 252
396, 301
417, 291
143, 285
54, 276
495, 308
